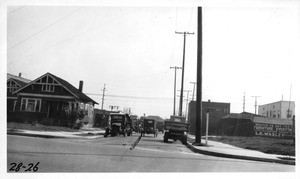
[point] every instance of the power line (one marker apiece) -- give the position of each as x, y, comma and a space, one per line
54, 45
130, 97
43, 29
13, 11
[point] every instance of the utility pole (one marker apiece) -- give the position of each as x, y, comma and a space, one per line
193, 89
255, 102
244, 103
103, 94
174, 105
199, 80
186, 96
187, 102
182, 78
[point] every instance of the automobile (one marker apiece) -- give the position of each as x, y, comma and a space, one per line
149, 127
116, 125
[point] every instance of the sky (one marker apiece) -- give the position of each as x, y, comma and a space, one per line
251, 50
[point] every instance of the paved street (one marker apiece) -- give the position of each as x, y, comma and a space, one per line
113, 154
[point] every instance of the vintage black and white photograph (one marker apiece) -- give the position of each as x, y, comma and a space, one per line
166, 87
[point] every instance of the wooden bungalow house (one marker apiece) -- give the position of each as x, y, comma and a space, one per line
47, 97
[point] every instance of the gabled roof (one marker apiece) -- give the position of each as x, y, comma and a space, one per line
20, 83
74, 91
10, 76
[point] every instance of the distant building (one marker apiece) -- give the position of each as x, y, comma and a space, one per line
280, 109
217, 110
157, 118
248, 124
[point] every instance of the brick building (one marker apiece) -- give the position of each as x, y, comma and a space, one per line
217, 110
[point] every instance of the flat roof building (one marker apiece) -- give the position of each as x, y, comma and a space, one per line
280, 109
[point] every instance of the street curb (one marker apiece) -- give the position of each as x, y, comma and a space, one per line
216, 154
35, 135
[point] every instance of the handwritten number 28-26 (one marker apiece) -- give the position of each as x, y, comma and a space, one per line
16, 167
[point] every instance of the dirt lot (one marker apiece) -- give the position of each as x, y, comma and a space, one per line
264, 144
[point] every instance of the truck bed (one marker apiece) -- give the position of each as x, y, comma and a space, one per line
176, 126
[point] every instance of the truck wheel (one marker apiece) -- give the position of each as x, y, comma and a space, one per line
165, 139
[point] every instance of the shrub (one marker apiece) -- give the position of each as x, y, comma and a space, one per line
47, 121
75, 117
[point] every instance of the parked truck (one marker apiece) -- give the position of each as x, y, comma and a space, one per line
149, 127
176, 129
117, 125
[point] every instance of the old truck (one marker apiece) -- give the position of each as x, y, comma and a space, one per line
176, 129
149, 127
116, 124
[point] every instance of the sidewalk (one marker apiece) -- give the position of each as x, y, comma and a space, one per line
225, 150
85, 133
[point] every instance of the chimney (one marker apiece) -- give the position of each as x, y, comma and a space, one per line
20, 74
80, 86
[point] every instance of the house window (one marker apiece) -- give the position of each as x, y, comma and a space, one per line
48, 88
30, 104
